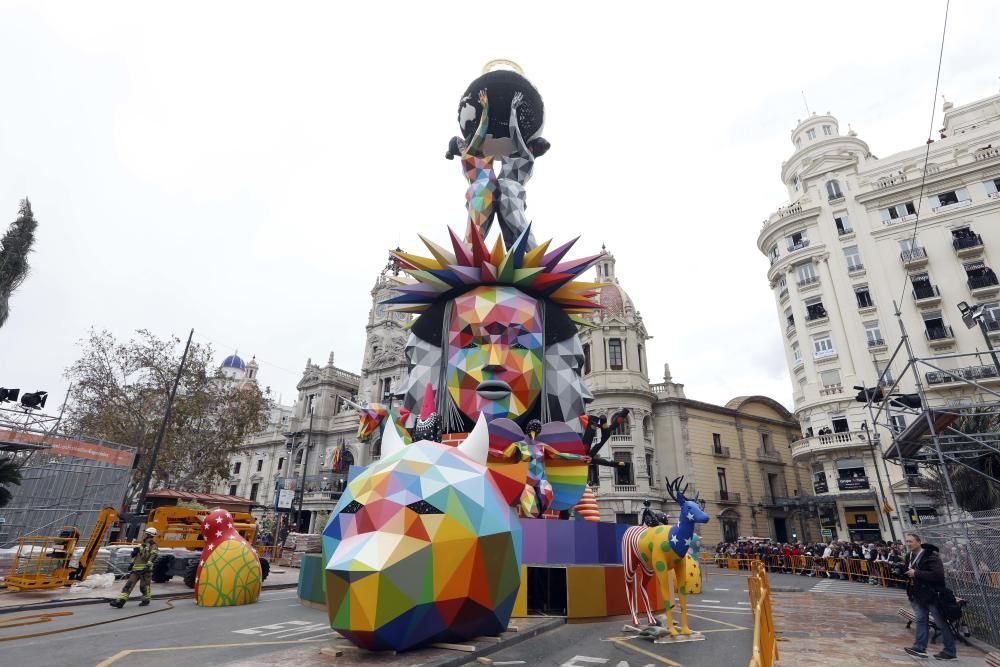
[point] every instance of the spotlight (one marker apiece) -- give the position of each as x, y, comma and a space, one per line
35, 399
8, 394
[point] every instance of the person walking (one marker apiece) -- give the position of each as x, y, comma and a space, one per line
141, 571
925, 577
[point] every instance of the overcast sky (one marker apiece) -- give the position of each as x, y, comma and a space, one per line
242, 169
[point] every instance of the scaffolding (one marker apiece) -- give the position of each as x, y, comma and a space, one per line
65, 480
937, 441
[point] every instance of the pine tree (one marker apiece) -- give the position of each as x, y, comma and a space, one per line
14, 248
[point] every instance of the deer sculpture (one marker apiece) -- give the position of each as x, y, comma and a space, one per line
659, 551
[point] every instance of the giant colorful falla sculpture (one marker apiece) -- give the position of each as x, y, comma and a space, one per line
424, 545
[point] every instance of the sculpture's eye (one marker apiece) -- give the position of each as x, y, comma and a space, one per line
352, 507
424, 507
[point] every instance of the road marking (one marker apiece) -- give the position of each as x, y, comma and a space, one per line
122, 654
746, 603
649, 654
315, 627
276, 627
713, 601
715, 620
721, 589
572, 661
713, 607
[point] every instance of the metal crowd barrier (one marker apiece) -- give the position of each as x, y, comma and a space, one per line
765, 643
851, 569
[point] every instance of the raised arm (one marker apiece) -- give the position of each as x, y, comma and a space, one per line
520, 147
484, 122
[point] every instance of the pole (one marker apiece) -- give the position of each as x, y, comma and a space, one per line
989, 345
305, 462
163, 426
878, 476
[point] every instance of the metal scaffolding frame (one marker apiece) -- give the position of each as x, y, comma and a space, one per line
66, 480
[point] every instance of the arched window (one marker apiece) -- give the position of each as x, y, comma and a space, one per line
833, 189
625, 428
376, 450
730, 521
346, 460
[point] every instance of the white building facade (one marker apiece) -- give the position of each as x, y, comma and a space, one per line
861, 237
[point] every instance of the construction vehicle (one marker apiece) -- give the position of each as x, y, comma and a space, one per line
43, 562
179, 529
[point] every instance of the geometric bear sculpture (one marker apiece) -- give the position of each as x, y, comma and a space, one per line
229, 570
423, 546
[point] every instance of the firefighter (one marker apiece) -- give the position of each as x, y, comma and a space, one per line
141, 570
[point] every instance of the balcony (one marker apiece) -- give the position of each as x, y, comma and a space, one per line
808, 282
939, 336
841, 232
813, 320
625, 488
984, 285
824, 354
876, 344
944, 208
853, 483
888, 181
798, 245
727, 498
827, 443
986, 154
926, 295
790, 329
831, 390
720, 451
974, 373
783, 294
621, 440
913, 258
768, 454
855, 269
968, 246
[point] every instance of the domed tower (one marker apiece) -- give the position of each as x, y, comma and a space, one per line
233, 367
616, 373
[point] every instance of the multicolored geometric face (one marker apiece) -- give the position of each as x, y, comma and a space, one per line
422, 547
495, 358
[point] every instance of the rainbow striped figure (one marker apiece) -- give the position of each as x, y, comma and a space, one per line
660, 551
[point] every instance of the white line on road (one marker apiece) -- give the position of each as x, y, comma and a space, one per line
746, 603
573, 661
714, 607
721, 589
315, 627
714, 601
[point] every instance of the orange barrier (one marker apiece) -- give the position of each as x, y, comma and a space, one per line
851, 569
765, 643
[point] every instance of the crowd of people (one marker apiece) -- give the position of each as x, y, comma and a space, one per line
834, 560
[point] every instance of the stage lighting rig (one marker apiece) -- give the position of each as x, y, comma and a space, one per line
33, 400
8, 394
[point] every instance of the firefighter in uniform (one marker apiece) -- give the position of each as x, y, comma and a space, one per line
141, 571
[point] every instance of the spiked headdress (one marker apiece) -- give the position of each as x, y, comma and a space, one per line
539, 272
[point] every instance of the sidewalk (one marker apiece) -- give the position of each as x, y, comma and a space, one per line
325, 654
842, 630
280, 577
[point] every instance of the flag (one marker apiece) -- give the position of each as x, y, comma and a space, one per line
338, 455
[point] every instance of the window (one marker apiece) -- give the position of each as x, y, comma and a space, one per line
991, 316
936, 328
874, 334
853, 258
886, 378
298, 457
833, 189
721, 474
863, 296
898, 213
765, 442
236, 468
586, 358
232, 489
797, 241
964, 237
730, 526
815, 309
253, 491
851, 474
823, 346
639, 354
807, 274
810, 134
830, 379
281, 463
789, 318
796, 353
772, 254
898, 423
615, 353
623, 469
979, 275
627, 518
260, 464
649, 468
840, 425
795, 179
843, 223
827, 131
922, 288
949, 198
992, 188
798, 144
717, 443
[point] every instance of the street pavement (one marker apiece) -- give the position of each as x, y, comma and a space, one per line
721, 613
182, 635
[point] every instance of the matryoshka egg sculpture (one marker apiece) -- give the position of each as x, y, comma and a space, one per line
229, 570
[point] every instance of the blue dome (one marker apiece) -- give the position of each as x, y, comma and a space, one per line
233, 361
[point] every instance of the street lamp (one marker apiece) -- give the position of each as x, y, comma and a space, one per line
973, 315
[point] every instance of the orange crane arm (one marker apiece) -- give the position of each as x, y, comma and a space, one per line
104, 520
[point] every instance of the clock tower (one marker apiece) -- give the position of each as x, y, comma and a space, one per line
384, 368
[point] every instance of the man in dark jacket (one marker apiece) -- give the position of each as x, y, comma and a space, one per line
925, 577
